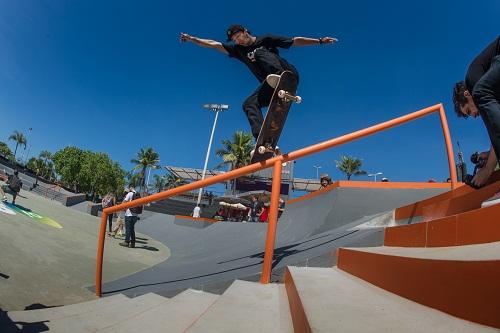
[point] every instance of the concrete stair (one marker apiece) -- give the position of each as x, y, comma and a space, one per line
459, 280
247, 307
176, 315
102, 318
329, 300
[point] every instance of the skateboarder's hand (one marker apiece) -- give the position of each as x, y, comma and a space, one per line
185, 37
329, 40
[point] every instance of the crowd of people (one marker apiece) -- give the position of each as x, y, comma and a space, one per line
256, 211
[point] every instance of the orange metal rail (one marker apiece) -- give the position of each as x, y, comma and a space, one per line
275, 162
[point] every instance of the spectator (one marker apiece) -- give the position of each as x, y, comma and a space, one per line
196, 211
478, 95
264, 212
324, 181
13, 187
109, 200
120, 222
281, 207
255, 206
130, 220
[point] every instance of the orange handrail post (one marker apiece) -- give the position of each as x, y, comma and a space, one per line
449, 147
272, 224
100, 253
276, 162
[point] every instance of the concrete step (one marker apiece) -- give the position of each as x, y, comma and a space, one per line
173, 316
472, 227
329, 300
95, 320
459, 280
33, 316
246, 307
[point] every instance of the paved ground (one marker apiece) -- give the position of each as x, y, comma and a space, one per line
42, 264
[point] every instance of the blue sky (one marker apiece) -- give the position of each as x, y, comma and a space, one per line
112, 76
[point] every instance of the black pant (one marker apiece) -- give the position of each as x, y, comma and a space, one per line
486, 95
110, 222
130, 228
269, 63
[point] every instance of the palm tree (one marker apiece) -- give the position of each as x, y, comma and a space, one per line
172, 181
350, 166
159, 183
236, 152
146, 158
20, 140
134, 179
46, 155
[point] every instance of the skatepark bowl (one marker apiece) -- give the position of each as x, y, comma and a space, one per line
355, 256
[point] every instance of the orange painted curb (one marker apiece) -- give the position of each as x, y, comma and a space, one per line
198, 219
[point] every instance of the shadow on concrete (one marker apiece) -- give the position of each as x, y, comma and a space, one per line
9, 326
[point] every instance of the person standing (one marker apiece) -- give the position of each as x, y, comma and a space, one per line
130, 220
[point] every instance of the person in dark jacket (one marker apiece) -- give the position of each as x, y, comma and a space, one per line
13, 187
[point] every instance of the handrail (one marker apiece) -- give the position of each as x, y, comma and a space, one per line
275, 162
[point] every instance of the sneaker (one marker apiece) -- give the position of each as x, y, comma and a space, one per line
124, 244
272, 80
132, 244
492, 201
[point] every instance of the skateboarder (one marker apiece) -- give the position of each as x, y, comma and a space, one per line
260, 54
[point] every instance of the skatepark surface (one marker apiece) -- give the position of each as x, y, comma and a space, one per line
43, 265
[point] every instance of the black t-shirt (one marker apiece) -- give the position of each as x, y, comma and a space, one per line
481, 64
245, 54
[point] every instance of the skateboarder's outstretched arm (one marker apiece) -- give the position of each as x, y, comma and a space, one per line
209, 43
304, 41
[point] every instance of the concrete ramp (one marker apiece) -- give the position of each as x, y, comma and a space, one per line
313, 226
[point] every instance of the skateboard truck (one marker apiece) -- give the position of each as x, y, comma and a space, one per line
288, 97
268, 149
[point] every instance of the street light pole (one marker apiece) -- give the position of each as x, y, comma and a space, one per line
216, 108
375, 175
29, 147
317, 170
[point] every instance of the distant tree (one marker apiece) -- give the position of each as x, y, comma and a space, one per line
88, 172
134, 179
159, 183
19, 138
45, 155
172, 181
146, 158
350, 166
236, 152
5, 150
68, 163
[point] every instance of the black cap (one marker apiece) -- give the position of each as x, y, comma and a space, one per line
233, 29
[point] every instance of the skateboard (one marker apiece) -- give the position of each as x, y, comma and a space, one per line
282, 99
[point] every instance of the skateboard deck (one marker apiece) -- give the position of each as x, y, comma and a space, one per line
283, 97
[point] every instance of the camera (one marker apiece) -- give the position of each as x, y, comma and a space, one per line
478, 159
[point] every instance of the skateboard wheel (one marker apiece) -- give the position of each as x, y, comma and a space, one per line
261, 150
298, 99
281, 94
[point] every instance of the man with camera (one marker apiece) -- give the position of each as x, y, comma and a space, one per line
478, 95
